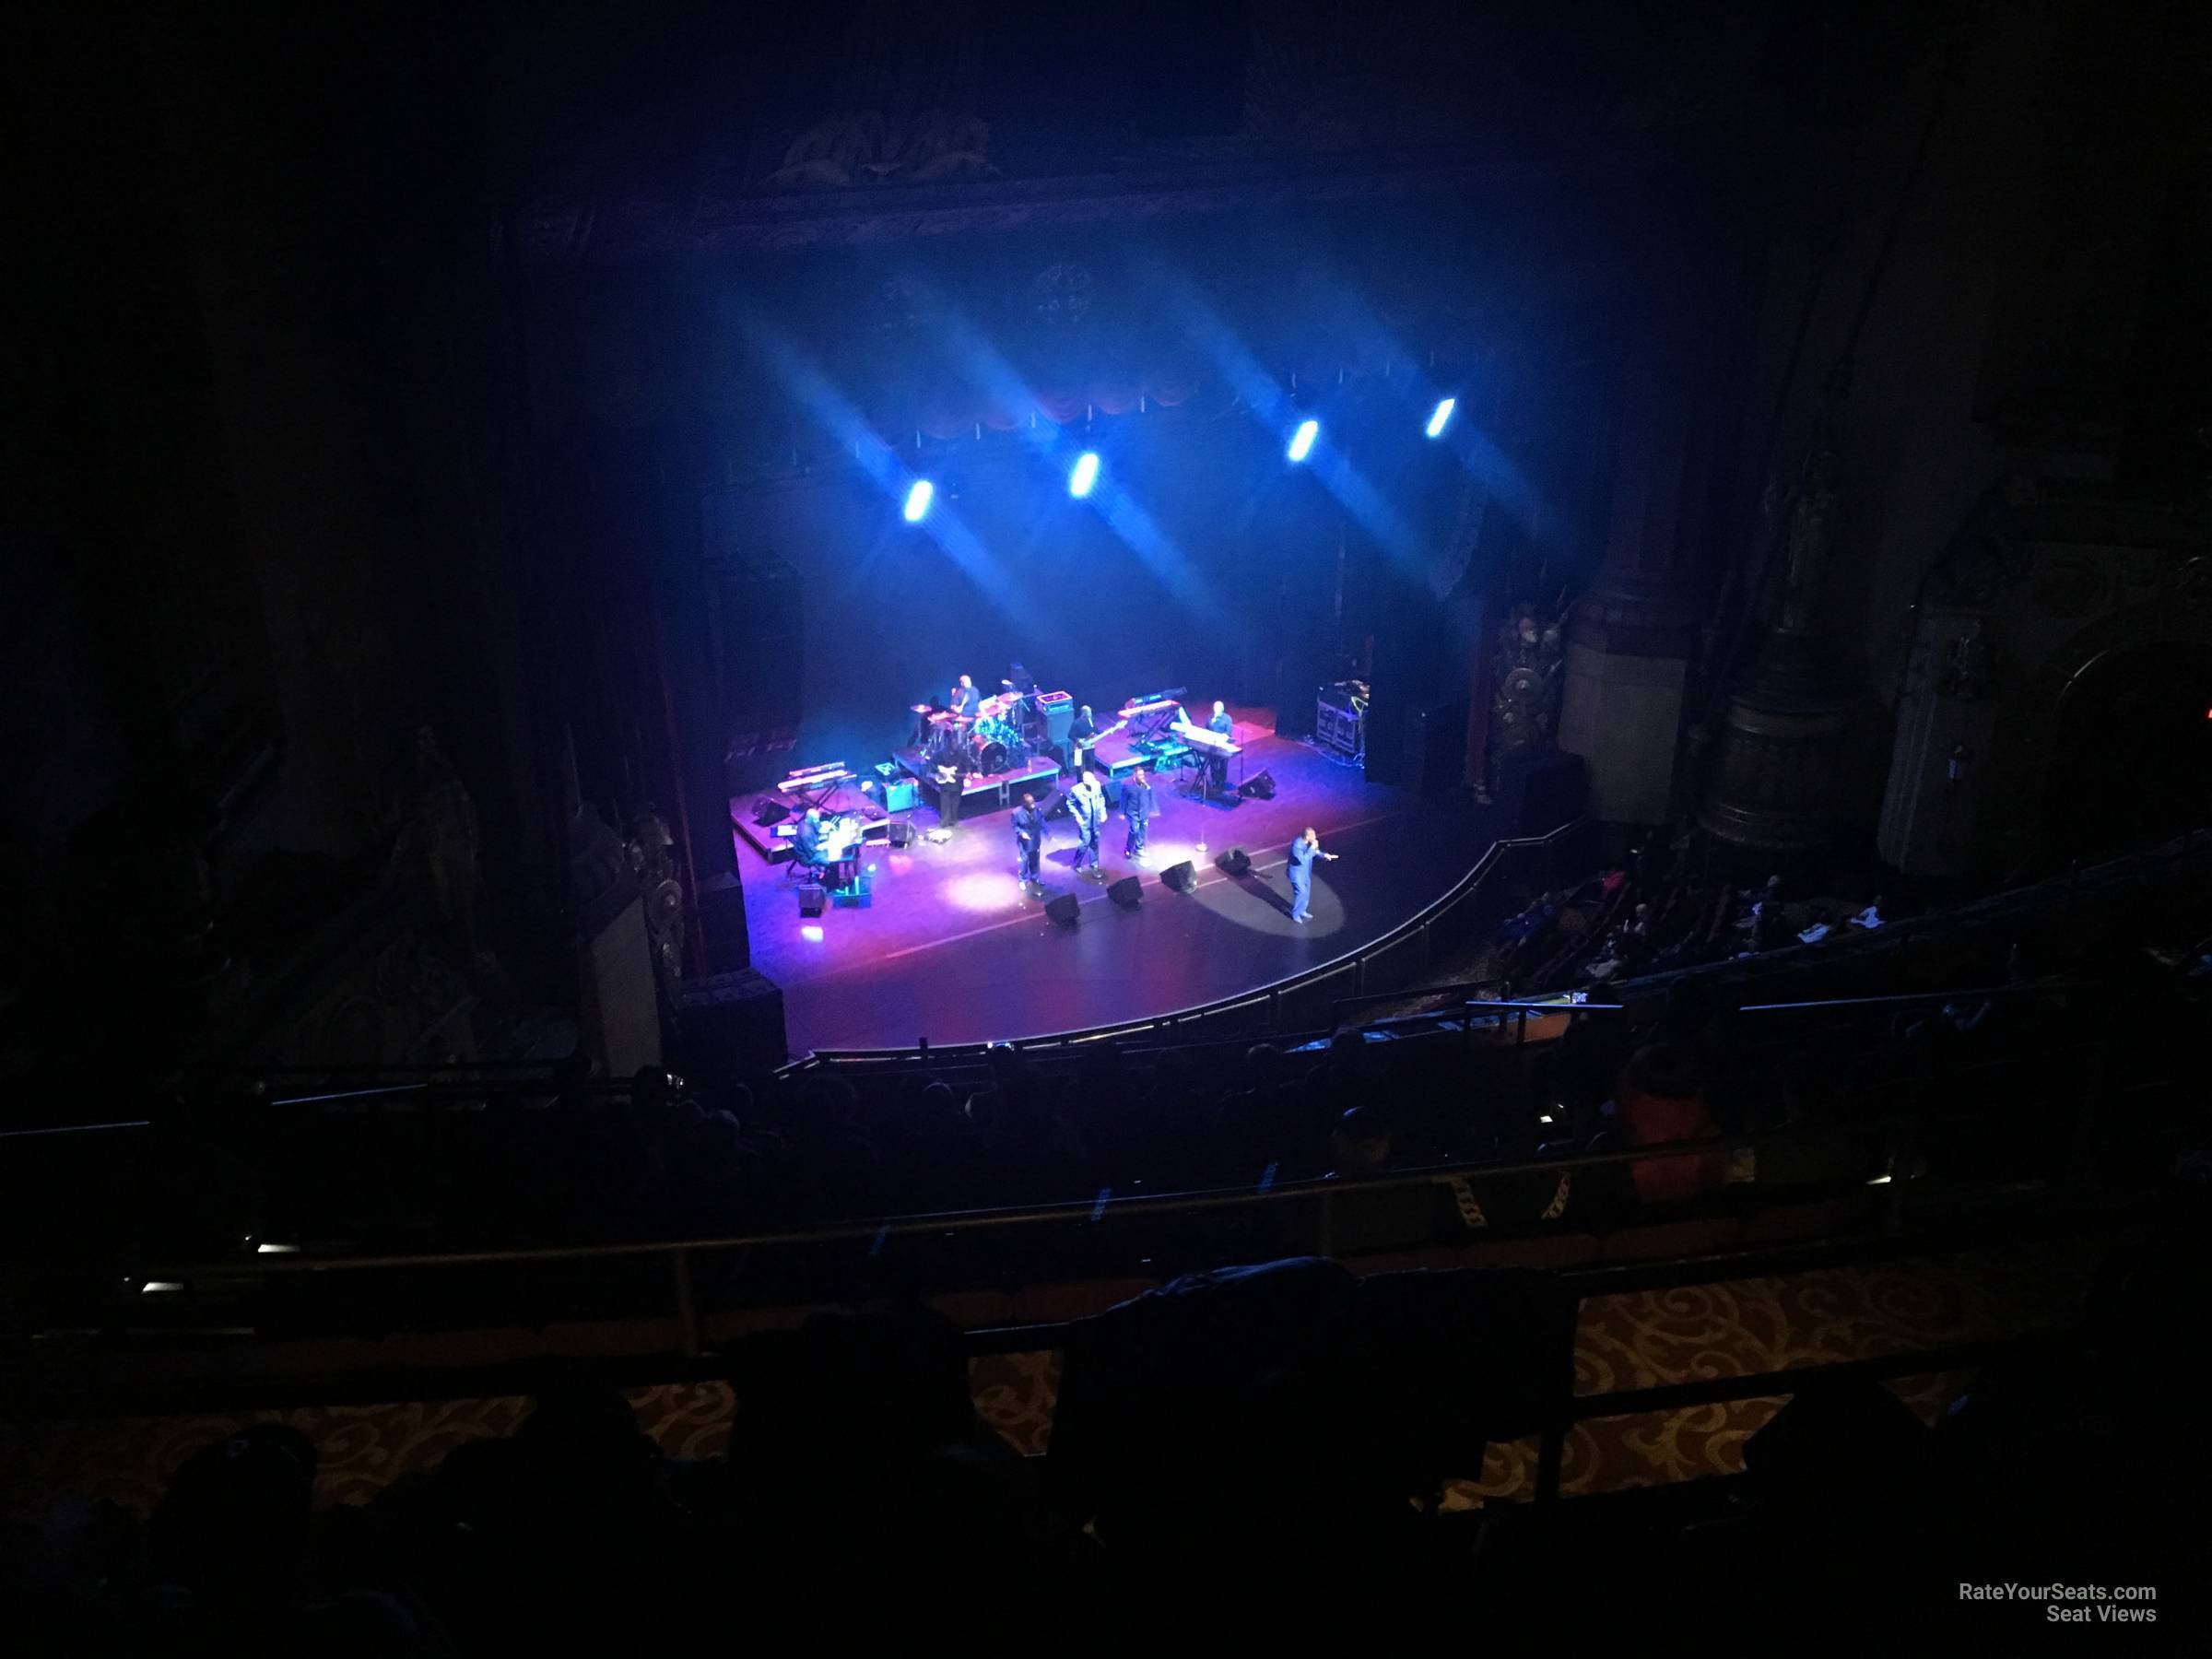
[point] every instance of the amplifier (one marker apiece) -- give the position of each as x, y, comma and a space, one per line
1059, 715
901, 795
1337, 724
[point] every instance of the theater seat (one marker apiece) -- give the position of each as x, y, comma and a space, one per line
1816, 1219
1540, 1250
744, 1321
1666, 1241
1404, 1261
1055, 1304
974, 1309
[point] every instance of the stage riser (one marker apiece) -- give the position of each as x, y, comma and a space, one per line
980, 791
776, 849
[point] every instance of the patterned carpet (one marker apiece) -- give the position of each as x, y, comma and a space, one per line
1633, 1341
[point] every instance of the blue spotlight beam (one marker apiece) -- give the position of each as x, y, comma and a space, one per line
836, 415
1177, 572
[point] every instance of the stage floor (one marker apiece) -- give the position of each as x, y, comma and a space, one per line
950, 948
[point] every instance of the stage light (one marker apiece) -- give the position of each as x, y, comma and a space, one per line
918, 498
1301, 440
159, 1287
1442, 418
811, 933
1085, 474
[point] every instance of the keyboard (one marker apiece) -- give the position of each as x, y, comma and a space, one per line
1211, 743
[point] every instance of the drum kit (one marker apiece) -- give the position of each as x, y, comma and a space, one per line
989, 741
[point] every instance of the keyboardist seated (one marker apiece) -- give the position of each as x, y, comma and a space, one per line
1216, 740
811, 848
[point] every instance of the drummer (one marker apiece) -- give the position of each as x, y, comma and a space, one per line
964, 698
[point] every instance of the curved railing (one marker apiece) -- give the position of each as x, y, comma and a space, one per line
1306, 1000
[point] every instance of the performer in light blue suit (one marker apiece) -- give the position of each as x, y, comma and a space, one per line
1304, 851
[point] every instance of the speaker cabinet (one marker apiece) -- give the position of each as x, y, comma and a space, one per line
814, 898
1065, 910
731, 1022
1126, 892
899, 832
1179, 879
1235, 862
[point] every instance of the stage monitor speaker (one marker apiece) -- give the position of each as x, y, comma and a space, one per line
1261, 788
766, 812
899, 832
1065, 909
1179, 879
1127, 893
1053, 805
1236, 863
813, 898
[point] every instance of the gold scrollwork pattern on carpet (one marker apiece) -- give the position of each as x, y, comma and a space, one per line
1738, 1328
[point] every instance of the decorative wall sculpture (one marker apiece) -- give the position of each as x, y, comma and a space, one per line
1525, 698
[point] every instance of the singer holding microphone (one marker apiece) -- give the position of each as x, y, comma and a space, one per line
1304, 852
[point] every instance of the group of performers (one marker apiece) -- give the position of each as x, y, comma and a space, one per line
972, 733
1087, 807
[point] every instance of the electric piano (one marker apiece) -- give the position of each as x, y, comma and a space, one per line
1202, 747
1206, 741
843, 841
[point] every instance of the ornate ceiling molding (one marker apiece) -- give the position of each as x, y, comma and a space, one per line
570, 224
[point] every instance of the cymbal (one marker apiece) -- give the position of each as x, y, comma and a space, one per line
919, 709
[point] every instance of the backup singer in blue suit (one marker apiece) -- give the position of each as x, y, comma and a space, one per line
1086, 806
1304, 851
1136, 812
1029, 838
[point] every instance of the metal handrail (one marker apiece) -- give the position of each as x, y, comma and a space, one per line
1367, 998
876, 1230
881, 1229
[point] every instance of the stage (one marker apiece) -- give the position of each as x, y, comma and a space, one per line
949, 946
